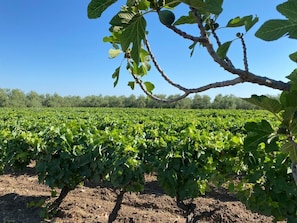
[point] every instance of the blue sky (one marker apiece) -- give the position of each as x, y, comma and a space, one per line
52, 47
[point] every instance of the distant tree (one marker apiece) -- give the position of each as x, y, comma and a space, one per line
114, 101
201, 102
53, 100
156, 104
33, 99
130, 102
71, 101
141, 102
224, 102
185, 103
4, 100
17, 98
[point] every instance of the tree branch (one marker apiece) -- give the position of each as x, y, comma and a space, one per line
139, 82
245, 61
246, 76
187, 36
226, 64
159, 68
232, 82
219, 44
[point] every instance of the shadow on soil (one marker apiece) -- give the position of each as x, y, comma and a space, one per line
16, 209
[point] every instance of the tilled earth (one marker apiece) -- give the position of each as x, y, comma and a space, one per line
92, 204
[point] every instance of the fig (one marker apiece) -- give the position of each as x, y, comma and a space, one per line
216, 25
166, 17
207, 27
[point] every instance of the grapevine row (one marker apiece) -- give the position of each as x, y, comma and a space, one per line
187, 150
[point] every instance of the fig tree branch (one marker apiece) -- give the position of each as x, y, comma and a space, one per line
219, 44
187, 36
188, 91
139, 82
245, 60
246, 76
243, 75
159, 68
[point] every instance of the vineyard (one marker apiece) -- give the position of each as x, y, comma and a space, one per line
188, 152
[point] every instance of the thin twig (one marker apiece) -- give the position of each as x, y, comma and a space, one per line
213, 32
216, 37
245, 61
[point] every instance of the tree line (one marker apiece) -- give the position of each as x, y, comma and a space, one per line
17, 98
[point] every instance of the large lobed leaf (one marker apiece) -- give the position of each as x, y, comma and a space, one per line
290, 149
276, 28
97, 7
265, 102
288, 9
247, 21
209, 6
134, 33
223, 49
258, 133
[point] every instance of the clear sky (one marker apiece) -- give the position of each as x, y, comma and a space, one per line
52, 47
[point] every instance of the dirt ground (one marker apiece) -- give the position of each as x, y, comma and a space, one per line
92, 204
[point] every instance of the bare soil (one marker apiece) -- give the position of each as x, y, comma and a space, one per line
92, 204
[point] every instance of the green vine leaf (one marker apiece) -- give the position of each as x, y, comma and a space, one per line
223, 49
97, 7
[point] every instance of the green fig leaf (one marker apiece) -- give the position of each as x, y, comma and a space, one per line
290, 149
116, 76
270, 104
131, 84
149, 86
223, 49
97, 7
293, 57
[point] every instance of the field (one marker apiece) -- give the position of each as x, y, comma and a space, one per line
137, 165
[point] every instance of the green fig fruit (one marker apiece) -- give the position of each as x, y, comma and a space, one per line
166, 17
